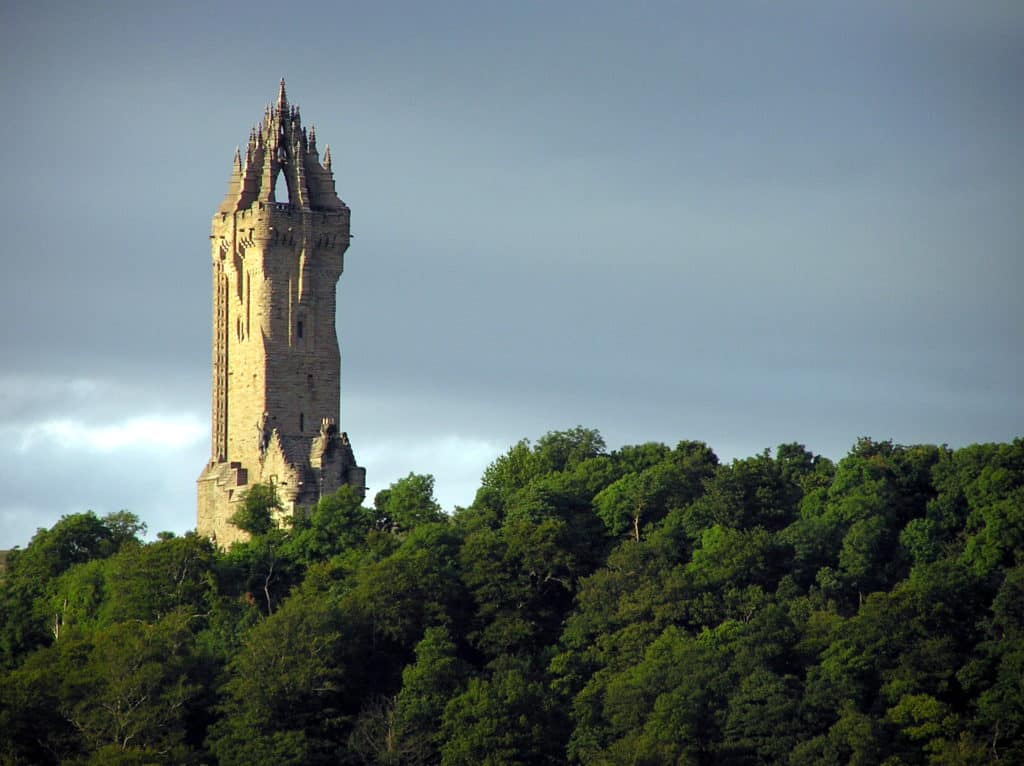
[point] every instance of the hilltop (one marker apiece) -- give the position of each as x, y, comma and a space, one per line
644, 605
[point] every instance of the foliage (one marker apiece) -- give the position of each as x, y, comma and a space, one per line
27, 619
283, 687
256, 516
644, 605
407, 503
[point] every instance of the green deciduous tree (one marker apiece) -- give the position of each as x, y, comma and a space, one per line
284, 689
336, 524
26, 612
662, 709
761, 721
428, 685
147, 582
259, 506
407, 503
522, 578
124, 691
503, 720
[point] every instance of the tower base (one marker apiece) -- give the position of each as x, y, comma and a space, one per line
299, 483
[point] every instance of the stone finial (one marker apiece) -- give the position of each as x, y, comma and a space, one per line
327, 157
282, 99
238, 159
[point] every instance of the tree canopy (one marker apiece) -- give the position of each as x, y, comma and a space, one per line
644, 605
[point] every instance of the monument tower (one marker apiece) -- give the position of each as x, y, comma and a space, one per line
278, 244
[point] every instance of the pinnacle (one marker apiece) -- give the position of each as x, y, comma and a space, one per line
282, 99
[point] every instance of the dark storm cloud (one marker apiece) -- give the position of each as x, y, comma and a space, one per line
743, 223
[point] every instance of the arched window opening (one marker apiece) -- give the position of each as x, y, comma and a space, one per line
281, 192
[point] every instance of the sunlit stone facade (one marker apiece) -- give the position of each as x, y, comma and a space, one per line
278, 244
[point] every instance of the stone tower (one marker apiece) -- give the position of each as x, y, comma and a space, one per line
278, 245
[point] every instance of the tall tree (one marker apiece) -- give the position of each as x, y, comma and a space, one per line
285, 688
407, 503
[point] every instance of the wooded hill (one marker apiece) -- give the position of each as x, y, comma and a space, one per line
648, 605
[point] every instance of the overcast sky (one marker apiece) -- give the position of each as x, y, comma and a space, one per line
745, 223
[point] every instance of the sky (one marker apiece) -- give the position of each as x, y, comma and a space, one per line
746, 223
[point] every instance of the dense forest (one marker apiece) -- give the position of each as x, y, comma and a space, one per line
647, 605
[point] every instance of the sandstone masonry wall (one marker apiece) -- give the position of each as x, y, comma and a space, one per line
276, 360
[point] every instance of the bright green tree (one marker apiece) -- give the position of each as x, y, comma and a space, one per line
407, 503
256, 516
27, 616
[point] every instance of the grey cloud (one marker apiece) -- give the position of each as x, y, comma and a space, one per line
665, 224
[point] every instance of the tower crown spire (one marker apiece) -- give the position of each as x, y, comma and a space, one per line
279, 151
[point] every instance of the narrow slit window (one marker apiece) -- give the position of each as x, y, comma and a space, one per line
299, 329
302, 422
